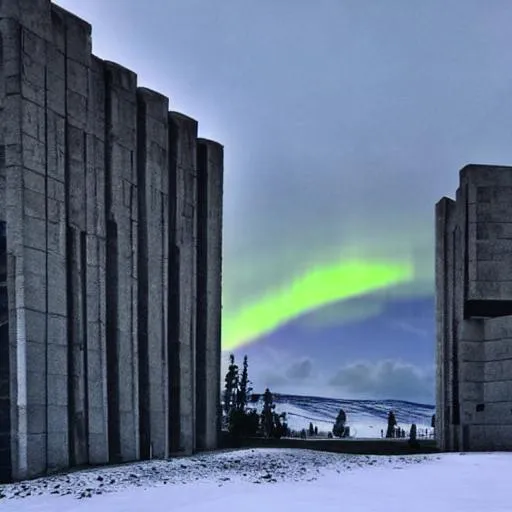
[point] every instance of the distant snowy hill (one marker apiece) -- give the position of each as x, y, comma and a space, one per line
366, 418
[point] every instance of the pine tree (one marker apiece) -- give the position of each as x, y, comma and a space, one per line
391, 424
242, 422
311, 430
338, 429
230, 386
267, 414
413, 441
244, 389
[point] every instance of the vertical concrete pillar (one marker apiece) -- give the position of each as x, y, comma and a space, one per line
77, 62
58, 426
209, 278
5, 413
121, 261
447, 408
5, 402
182, 281
76, 89
26, 30
441, 309
95, 268
153, 169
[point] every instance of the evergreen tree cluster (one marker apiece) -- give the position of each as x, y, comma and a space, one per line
242, 421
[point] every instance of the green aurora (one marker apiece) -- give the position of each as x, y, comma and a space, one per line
315, 289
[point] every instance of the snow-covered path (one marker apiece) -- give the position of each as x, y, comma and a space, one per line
284, 480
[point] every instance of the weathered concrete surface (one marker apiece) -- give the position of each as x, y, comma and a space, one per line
98, 257
209, 304
182, 281
474, 322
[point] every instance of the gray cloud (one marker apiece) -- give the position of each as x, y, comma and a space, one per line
300, 370
385, 379
272, 380
288, 377
284, 372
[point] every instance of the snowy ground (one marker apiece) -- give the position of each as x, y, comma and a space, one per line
276, 479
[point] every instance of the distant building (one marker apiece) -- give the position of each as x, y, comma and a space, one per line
474, 312
110, 258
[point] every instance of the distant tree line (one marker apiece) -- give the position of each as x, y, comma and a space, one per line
242, 420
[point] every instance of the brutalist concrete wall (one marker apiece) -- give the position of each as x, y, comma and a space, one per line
209, 307
99, 265
473, 307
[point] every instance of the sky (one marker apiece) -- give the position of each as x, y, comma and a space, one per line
343, 123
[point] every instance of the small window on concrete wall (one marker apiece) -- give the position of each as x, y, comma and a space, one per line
480, 407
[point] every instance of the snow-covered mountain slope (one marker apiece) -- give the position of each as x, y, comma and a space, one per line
366, 418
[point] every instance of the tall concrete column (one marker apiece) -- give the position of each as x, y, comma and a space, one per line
96, 233
445, 213
86, 233
153, 169
57, 318
5, 373
5, 413
25, 30
121, 261
182, 281
77, 58
210, 163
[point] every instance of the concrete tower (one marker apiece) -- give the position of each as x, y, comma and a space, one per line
474, 312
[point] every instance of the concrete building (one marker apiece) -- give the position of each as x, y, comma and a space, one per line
474, 312
110, 258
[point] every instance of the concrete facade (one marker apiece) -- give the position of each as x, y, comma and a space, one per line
110, 258
474, 312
